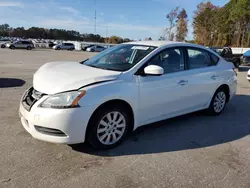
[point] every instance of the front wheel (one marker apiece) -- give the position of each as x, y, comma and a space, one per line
109, 126
218, 102
29, 48
237, 64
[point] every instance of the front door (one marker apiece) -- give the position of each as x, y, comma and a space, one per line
163, 96
19, 44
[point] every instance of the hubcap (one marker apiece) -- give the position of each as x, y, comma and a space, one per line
219, 102
111, 128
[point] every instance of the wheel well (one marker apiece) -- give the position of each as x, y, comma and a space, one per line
117, 102
226, 88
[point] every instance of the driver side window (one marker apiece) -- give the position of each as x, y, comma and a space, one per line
171, 60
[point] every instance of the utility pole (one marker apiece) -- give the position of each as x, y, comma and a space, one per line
95, 16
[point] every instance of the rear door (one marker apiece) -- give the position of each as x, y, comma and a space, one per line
203, 78
64, 46
25, 44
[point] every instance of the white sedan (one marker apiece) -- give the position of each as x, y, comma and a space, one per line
102, 99
95, 48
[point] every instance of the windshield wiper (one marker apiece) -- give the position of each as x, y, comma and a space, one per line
82, 62
93, 66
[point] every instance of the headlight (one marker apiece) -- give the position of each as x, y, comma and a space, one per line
63, 100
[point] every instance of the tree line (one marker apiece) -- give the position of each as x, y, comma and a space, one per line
228, 25
57, 34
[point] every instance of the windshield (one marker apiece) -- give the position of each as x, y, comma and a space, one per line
119, 58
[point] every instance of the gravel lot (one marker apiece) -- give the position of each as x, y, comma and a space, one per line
195, 150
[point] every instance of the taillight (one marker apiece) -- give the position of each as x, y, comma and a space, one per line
235, 71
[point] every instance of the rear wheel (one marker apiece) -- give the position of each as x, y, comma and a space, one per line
29, 48
109, 126
218, 102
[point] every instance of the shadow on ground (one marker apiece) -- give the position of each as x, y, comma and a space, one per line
196, 130
11, 82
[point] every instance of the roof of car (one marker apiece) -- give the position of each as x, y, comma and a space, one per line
154, 43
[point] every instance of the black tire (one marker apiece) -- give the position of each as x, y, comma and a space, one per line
92, 135
212, 109
237, 64
29, 48
3, 46
12, 47
58, 48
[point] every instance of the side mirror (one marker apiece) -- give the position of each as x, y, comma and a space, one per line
154, 70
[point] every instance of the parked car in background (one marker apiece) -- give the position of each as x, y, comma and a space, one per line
227, 54
101, 99
84, 48
51, 44
64, 46
248, 75
21, 44
246, 58
3, 45
95, 48
3, 42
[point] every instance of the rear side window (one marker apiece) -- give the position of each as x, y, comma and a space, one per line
214, 59
68, 44
198, 58
27, 42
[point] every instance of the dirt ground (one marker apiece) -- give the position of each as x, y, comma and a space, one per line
194, 150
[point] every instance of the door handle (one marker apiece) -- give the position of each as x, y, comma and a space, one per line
214, 77
183, 82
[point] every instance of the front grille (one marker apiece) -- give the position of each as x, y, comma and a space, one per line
49, 131
31, 97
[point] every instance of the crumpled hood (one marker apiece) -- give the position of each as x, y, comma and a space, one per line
56, 77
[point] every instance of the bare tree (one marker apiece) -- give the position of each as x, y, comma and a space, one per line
172, 22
